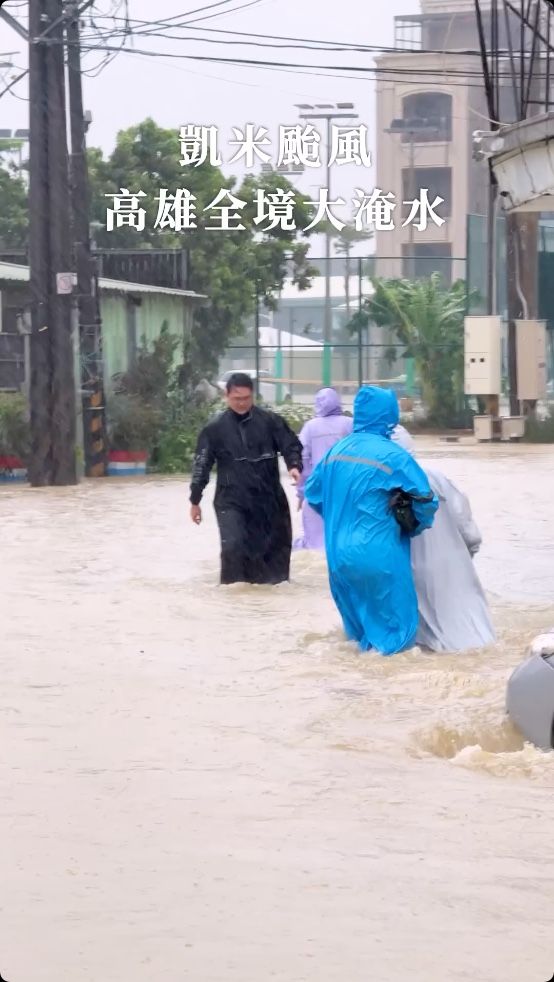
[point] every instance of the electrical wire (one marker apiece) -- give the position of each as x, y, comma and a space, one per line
293, 41
222, 13
398, 73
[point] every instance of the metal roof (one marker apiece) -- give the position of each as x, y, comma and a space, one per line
13, 273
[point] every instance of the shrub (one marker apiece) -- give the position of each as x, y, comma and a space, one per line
134, 425
15, 430
174, 450
295, 414
540, 430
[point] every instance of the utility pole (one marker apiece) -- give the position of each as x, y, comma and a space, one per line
491, 244
90, 321
63, 422
52, 391
40, 465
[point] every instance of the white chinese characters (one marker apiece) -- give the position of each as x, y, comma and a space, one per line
298, 146
198, 145
273, 209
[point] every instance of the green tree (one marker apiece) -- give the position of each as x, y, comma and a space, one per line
229, 267
14, 215
428, 318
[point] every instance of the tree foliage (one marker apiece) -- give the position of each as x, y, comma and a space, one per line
428, 319
14, 215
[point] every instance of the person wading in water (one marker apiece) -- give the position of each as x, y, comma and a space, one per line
251, 506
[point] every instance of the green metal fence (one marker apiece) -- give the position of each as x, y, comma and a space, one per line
295, 356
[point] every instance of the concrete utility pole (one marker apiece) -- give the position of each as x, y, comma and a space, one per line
90, 321
52, 387
52, 383
41, 464
63, 404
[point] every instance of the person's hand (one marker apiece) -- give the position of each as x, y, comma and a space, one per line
196, 514
295, 475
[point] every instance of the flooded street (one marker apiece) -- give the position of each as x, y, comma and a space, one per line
210, 784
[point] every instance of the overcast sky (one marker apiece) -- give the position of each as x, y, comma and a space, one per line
175, 91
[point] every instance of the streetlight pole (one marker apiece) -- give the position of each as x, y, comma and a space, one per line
328, 323
332, 113
407, 128
286, 170
411, 256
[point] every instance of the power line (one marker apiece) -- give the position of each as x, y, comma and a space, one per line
338, 45
233, 10
442, 73
309, 46
9, 87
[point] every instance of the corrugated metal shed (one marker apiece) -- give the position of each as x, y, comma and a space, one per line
11, 273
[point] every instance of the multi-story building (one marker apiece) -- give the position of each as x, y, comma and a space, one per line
430, 100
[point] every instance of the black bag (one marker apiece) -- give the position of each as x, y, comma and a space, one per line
401, 507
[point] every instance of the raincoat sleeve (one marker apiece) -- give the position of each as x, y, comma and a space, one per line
287, 443
204, 459
414, 481
306, 441
461, 510
313, 489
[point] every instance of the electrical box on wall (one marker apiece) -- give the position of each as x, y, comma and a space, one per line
483, 356
531, 360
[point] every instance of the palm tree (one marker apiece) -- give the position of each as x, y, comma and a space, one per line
428, 318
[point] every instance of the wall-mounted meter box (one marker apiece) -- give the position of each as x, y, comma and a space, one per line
483, 356
531, 360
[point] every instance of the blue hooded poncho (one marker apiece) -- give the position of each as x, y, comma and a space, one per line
368, 555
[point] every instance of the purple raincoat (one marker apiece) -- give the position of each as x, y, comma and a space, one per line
317, 437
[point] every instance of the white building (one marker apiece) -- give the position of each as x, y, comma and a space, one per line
430, 101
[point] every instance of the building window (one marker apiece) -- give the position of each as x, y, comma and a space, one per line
437, 181
429, 112
428, 258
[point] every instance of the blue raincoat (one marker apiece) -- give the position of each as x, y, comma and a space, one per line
368, 554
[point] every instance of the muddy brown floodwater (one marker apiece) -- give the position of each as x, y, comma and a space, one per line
209, 784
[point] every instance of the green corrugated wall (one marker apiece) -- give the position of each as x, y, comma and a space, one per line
153, 311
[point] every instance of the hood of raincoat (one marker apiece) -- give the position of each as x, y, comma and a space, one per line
375, 411
327, 403
403, 439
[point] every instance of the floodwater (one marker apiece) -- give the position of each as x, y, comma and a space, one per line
210, 784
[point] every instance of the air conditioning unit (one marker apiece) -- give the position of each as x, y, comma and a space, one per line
483, 356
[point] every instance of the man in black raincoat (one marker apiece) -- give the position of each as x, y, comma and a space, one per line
250, 504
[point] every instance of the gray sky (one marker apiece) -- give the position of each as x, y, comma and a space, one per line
175, 92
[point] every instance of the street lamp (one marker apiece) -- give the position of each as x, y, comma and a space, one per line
328, 112
412, 128
285, 170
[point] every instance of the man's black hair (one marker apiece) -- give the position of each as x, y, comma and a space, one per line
239, 380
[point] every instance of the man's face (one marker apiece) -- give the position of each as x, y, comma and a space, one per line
240, 399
